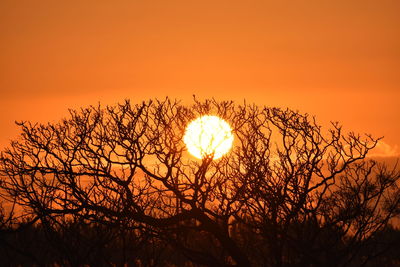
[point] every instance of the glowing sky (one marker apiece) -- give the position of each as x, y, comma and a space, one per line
338, 60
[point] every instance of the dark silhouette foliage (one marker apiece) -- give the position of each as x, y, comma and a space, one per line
117, 186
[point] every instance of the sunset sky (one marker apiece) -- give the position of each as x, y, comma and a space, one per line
338, 60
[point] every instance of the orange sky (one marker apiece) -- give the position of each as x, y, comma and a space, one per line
338, 60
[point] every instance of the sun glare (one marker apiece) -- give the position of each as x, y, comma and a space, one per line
208, 136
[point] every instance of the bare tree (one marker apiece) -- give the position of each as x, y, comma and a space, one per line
287, 194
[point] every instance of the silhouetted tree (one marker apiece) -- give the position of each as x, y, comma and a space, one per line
288, 194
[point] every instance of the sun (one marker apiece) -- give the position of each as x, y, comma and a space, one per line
208, 136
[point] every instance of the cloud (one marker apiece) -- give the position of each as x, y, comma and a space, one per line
383, 149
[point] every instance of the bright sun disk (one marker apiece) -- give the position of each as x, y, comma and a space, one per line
208, 135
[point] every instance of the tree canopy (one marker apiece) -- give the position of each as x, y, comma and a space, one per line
289, 193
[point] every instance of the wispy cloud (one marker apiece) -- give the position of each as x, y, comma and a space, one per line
383, 149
